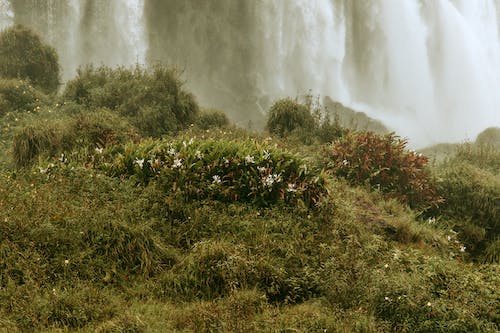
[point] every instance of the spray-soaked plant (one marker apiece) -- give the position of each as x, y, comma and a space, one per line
24, 56
384, 163
153, 99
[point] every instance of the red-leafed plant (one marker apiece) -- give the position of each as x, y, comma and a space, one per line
384, 163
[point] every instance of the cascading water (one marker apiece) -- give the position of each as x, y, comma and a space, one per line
6, 14
429, 69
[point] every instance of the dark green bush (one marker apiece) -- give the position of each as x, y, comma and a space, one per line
383, 163
153, 99
287, 115
212, 118
220, 170
305, 121
24, 56
19, 96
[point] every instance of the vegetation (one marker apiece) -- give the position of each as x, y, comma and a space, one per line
24, 56
152, 99
305, 121
383, 163
106, 227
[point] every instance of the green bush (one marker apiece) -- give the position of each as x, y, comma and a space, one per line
153, 99
472, 203
287, 115
221, 170
24, 56
19, 96
305, 121
383, 163
82, 130
212, 118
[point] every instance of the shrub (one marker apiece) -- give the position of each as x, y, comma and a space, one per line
472, 204
490, 136
212, 118
383, 163
24, 56
153, 99
90, 130
19, 96
305, 121
287, 115
220, 170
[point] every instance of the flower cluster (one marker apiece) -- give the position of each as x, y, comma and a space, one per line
218, 169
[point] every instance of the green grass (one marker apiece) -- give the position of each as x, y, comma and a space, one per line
104, 230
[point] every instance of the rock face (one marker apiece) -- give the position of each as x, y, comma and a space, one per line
352, 119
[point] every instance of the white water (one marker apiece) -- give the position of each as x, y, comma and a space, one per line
6, 14
429, 69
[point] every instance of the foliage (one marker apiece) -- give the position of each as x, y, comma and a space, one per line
472, 197
59, 136
219, 170
305, 121
287, 115
153, 99
212, 118
383, 163
23, 55
19, 96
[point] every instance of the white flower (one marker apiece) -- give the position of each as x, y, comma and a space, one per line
216, 179
190, 142
177, 163
261, 169
387, 298
268, 181
386, 266
266, 154
226, 161
62, 158
277, 177
449, 238
432, 220
139, 162
172, 152
429, 303
66, 262
462, 248
198, 155
291, 188
345, 162
249, 159
98, 150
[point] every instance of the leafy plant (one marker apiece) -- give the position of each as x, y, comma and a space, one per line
23, 55
153, 99
383, 163
218, 169
19, 96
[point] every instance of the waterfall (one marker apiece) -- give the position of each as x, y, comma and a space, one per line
6, 14
428, 69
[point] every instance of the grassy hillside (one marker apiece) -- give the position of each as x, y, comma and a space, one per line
123, 208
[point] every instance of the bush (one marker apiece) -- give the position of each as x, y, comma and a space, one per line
19, 96
212, 118
24, 56
472, 204
153, 99
288, 115
220, 170
91, 130
383, 163
305, 121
